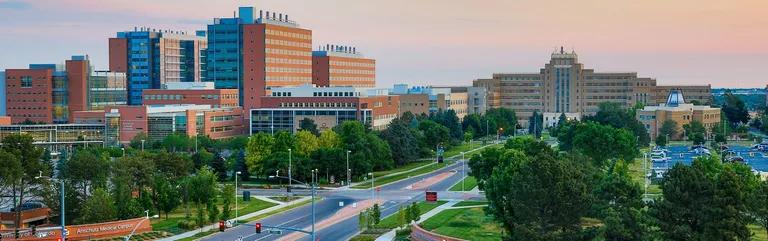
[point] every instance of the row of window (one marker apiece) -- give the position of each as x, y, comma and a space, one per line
221, 118
333, 94
221, 128
289, 78
288, 61
529, 78
385, 116
319, 105
361, 79
288, 34
350, 63
289, 70
288, 52
288, 43
181, 97
352, 71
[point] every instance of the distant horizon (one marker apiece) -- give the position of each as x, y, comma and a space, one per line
431, 42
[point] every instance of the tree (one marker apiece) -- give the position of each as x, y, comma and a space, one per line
174, 142
219, 166
369, 152
203, 158
376, 214
482, 165
173, 165
259, 149
166, 196
614, 143
329, 139
734, 109
362, 220
306, 143
542, 197
415, 212
668, 128
98, 208
613, 114
661, 140
402, 141
136, 141
25, 163
695, 132
448, 119
536, 124
227, 197
401, 217
240, 166
704, 201
87, 169
434, 133
505, 119
759, 204
619, 203
309, 125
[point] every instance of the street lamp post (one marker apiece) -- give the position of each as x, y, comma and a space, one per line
463, 171
236, 214
289, 170
142, 145
349, 178
314, 191
373, 187
61, 181
123, 151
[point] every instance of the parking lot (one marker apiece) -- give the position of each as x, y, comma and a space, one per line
758, 160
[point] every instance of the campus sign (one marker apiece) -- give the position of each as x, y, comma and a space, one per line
82, 232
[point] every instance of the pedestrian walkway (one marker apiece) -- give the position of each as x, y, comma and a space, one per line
246, 216
389, 236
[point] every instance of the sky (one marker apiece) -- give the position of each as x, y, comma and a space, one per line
442, 42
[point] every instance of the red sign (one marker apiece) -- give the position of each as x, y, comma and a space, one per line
431, 196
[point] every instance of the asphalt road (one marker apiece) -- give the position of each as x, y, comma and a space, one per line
394, 195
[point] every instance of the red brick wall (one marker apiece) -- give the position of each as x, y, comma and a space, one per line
133, 120
320, 71
253, 65
338, 63
236, 123
33, 103
419, 234
118, 55
77, 76
227, 97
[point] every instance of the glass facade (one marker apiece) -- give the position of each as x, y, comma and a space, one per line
273, 120
60, 97
54, 134
223, 56
106, 88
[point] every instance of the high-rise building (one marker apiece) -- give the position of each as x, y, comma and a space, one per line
2, 93
255, 53
676, 109
564, 86
48, 93
335, 65
153, 57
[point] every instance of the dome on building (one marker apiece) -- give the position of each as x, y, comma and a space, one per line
675, 98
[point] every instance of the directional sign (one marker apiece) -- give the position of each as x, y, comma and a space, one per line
431, 196
275, 231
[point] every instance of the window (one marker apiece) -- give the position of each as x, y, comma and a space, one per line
26, 81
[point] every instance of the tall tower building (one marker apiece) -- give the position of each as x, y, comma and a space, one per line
335, 65
255, 53
152, 57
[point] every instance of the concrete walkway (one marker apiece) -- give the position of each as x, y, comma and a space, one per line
246, 216
389, 236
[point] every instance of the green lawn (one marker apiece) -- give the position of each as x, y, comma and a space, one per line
406, 167
401, 176
199, 235
470, 203
390, 222
469, 183
636, 172
467, 223
171, 224
465, 147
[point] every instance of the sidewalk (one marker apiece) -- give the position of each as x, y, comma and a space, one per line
246, 216
389, 236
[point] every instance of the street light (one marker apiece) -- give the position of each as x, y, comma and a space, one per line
463, 171
289, 170
236, 214
123, 150
142, 145
314, 188
373, 189
63, 229
349, 171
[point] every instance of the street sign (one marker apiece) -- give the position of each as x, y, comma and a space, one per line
431, 196
275, 231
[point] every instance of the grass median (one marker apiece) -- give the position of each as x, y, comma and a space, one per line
469, 183
466, 223
171, 224
390, 221
401, 176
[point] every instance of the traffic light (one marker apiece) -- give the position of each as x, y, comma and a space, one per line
58, 239
222, 226
258, 227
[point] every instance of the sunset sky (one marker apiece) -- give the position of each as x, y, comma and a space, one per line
720, 42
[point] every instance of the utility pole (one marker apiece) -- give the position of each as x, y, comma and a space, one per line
236, 213
349, 171
463, 171
289, 169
